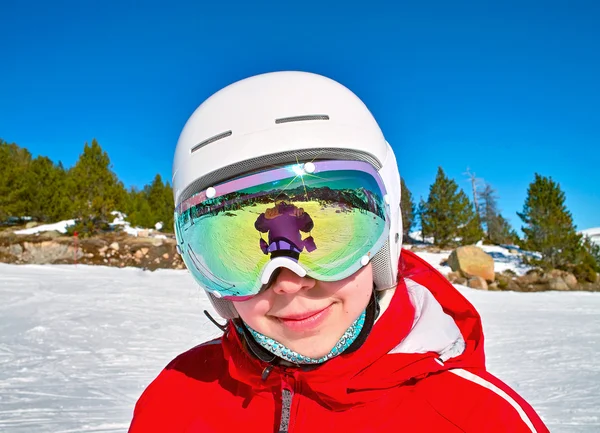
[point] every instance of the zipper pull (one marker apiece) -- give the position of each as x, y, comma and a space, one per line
266, 372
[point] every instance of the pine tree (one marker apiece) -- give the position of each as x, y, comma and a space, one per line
62, 206
46, 184
497, 228
588, 261
33, 188
39, 184
421, 210
95, 190
448, 213
504, 233
151, 205
407, 207
160, 198
488, 208
594, 250
138, 210
471, 232
549, 225
170, 208
14, 193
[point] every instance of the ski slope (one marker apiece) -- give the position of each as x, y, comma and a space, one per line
78, 344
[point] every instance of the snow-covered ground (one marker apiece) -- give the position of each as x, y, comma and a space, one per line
78, 344
60, 227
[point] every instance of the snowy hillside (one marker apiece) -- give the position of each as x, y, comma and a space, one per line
504, 259
119, 221
78, 344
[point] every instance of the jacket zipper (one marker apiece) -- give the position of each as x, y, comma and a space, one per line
287, 394
287, 397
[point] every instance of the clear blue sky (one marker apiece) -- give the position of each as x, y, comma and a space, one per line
505, 88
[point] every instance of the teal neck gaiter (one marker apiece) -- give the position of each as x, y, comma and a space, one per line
289, 355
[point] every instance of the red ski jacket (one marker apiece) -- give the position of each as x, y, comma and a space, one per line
421, 369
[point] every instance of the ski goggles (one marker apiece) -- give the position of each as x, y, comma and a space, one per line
324, 219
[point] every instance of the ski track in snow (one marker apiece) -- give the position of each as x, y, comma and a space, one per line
78, 344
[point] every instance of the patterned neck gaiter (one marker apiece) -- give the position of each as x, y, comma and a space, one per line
289, 355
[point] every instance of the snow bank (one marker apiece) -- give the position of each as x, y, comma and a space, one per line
118, 221
60, 226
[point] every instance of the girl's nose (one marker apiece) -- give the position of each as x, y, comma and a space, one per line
288, 282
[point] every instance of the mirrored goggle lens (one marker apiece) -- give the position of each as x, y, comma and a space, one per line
328, 217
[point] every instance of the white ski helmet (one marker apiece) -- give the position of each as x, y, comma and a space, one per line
279, 118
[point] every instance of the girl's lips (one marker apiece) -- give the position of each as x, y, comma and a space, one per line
305, 321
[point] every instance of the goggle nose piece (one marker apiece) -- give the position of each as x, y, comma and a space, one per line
281, 262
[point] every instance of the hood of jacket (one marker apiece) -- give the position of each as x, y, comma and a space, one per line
425, 326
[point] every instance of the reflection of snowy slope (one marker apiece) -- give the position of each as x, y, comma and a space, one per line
78, 344
593, 234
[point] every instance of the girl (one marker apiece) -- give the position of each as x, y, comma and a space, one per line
356, 335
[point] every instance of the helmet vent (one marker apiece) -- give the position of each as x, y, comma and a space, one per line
211, 140
302, 118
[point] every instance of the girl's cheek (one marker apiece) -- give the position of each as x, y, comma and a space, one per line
252, 311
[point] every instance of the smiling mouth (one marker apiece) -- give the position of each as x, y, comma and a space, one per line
305, 321
302, 316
